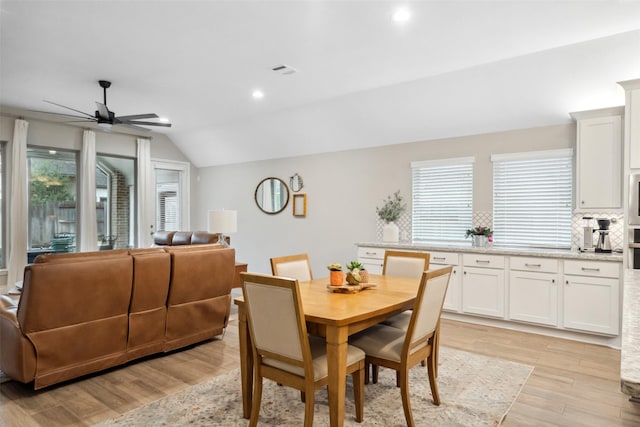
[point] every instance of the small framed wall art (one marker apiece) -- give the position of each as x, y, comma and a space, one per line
300, 205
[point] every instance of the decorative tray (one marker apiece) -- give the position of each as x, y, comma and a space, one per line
350, 289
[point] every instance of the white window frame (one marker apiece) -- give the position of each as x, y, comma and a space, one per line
184, 196
533, 207
451, 180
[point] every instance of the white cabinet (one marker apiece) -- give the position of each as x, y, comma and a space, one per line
483, 286
533, 290
371, 258
632, 122
599, 159
592, 296
452, 301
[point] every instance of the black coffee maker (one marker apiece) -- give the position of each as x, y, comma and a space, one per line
604, 244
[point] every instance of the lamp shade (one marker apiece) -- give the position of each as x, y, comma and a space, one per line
223, 221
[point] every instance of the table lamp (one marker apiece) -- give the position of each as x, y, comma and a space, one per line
223, 222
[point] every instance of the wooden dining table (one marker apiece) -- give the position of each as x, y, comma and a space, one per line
334, 316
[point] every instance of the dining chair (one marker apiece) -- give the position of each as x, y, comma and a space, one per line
401, 350
404, 264
293, 266
282, 349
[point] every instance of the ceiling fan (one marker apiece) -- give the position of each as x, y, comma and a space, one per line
106, 118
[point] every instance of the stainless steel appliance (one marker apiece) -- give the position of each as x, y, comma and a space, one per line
604, 243
587, 234
635, 248
634, 199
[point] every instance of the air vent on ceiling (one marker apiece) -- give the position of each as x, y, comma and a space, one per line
284, 69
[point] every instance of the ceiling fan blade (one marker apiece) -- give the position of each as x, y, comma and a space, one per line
68, 108
103, 111
133, 127
90, 118
166, 125
137, 116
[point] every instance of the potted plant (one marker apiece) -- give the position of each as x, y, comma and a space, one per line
479, 235
390, 211
336, 275
357, 272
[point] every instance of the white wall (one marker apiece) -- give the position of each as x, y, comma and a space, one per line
343, 190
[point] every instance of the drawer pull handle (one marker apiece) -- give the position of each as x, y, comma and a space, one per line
590, 269
370, 253
441, 258
483, 261
553, 280
532, 265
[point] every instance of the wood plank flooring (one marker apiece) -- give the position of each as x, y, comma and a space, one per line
573, 384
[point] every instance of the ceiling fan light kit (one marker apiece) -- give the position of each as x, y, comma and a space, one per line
106, 119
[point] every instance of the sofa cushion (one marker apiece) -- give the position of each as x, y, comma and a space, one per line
163, 238
181, 238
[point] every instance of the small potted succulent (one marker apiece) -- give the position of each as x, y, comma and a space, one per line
336, 275
357, 273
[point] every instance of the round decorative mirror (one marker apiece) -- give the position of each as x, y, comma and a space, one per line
272, 195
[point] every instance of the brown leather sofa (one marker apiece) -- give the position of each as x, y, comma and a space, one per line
84, 312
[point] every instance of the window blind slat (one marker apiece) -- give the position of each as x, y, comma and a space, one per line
442, 201
532, 202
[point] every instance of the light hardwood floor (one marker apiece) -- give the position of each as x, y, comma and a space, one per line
573, 384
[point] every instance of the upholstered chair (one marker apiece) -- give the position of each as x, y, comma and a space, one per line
404, 264
293, 266
401, 350
283, 351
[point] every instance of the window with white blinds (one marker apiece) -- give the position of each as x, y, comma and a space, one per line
532, 194
442, 199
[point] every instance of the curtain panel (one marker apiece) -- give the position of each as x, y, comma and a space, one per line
18, 228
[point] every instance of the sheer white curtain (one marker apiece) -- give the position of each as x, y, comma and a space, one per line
145, 194
18, 202
88, 224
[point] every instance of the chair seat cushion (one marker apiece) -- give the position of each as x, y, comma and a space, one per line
319, 355
400, 321
380, 341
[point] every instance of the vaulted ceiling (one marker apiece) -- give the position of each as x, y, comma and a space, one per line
454, 68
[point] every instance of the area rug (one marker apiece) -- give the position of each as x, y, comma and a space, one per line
475, 390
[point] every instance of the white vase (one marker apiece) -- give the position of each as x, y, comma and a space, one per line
390, 232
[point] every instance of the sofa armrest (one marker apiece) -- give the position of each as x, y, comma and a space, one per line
17, 355
9, 308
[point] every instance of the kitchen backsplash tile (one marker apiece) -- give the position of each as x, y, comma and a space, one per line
485, 219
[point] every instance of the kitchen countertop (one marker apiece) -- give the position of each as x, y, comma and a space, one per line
498, 250
630, 350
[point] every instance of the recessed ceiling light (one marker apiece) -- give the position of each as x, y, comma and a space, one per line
257, 94
401, 14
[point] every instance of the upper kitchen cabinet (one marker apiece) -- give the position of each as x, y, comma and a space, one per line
632, 125
599, 158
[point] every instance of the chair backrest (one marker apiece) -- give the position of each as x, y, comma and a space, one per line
428, 306
276, 321
293, 266
405, 264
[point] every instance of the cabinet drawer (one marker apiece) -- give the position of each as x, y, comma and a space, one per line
545, 265
482, 260
592, 268
443, 258
367, 252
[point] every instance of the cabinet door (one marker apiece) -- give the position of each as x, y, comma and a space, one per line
371, 258
452, 299
599, 163
483, 291
533, 297
591, 304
